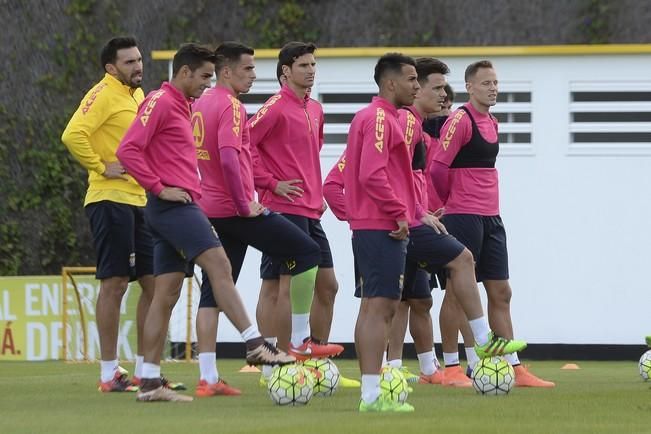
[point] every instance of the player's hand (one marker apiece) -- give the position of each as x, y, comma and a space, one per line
402, 232
114, 170
287, 189
434, 223
175, 194
438, 213
255, 209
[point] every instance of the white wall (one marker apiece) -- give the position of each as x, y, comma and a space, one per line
576, 215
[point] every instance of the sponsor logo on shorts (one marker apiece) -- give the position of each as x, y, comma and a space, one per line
401, 282
290, 264
132, 260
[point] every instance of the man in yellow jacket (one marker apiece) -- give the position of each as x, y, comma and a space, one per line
114, 201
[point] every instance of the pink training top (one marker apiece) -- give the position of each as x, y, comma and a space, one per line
412, 126
219, 122
333, 189
379, 183
472, 190
434, 201
158, 148
286, 138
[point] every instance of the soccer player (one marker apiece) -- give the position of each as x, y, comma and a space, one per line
464, 175
159, 151
224, 157
114, 201
451, 316
286, 137
391, 232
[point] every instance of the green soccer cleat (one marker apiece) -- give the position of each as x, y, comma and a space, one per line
498, 346
262, 382
648, 341
386, 405
411, 378
349, 382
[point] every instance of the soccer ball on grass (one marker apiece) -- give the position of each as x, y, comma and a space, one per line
290, 385
393, 384
493, 376
326, 376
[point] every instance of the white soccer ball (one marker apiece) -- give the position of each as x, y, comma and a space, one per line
393, 384
493, 376
645, 365
290, 385
326, 376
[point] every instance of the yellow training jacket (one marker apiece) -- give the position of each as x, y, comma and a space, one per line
94, 133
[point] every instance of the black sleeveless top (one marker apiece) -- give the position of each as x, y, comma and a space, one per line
477, 152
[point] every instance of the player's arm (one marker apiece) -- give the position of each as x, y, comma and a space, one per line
93, 111
229, 137
138, 137
333, 189
373, 175
456, 132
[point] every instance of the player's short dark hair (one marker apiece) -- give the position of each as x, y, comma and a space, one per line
279, 72
293, 50
109, 53
428, 65
391, 63
472, 69
193, 55
450, 92
229, 53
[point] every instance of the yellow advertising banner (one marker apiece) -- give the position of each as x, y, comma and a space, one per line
31, 319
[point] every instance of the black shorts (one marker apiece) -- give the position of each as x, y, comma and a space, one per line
380, 262
181, 232
271, 270
122, 240
417, 283
271, 234
431, 252
485, 237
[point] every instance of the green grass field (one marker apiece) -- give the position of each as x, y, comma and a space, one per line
57, 397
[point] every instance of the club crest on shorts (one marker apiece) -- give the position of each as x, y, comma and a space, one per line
401, 282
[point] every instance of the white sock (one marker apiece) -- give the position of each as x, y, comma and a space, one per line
426, 362
450, 359
437, 365
480, 330
268, 369
300, 328
512, 359
139, 361
370, 388
250, 333
149, 370
472, 357
107, 370
208, 367
384, 359
395, 363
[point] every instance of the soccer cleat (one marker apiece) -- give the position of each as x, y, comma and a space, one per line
383, 404
411, 378
469, 372
263, 381
498, 346
119, 383
314, 350
453, 376
524, 378
435, 378
267, 354
162, 394
136, 381
648, 341
349, 382
205, 389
